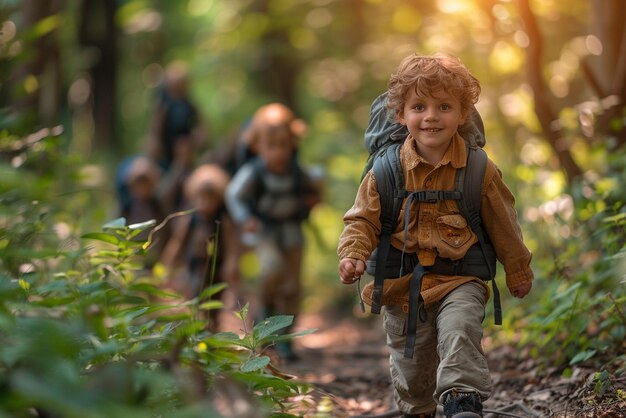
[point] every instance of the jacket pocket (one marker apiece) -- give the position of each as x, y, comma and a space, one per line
453, 230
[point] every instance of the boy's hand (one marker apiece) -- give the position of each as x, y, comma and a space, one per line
251, 225
350, 270
521, 290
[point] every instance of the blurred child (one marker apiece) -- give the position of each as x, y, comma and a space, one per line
140, 179
269, 198
175, 116
195, 238
138, 202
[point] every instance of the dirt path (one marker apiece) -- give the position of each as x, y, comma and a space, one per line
346, 361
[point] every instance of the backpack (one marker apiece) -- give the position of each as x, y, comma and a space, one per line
383, 139
299, 189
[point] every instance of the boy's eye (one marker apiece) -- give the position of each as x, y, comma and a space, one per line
419, 107
445, 106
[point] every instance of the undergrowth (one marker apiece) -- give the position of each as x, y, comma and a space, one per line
85, 332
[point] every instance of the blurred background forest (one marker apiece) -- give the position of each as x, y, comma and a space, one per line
80, 77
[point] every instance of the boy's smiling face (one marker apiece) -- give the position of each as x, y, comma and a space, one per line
432, 121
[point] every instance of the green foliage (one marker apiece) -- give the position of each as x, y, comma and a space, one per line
580, 315
84, 332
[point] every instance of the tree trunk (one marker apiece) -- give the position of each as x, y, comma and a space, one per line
607, 72
40, 105
277, 69
543, 108
99, 33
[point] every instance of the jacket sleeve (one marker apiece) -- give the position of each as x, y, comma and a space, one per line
239, 192
361, 223
500, 220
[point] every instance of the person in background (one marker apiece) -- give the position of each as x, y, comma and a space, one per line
269, 198
202, 239
175, 116
139, 177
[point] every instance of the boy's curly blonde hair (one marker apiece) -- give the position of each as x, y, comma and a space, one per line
429, 73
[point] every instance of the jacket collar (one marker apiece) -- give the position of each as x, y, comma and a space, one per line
456, 154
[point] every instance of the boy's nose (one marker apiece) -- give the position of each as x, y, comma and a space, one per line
431, 115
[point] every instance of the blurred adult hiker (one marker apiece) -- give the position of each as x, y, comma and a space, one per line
269, 198
175, 116
439, 243
171, 187
137, 184
198, 253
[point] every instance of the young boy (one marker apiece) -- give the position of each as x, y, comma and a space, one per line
189, 252
139, 177
269, 197
432, 96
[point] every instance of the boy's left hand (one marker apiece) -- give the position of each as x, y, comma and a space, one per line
521, 290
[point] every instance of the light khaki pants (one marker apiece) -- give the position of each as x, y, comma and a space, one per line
448, 353
280, 277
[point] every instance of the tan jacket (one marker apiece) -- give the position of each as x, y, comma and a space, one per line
441, 229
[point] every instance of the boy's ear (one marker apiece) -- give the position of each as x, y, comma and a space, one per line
400, 117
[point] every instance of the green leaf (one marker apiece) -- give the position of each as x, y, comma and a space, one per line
143, 225
285, 337
190, 328
228, 336
255, 364
272, 324
152, 290
242, 314
582, 356
212, 290
102, 236
211, 305
115, 224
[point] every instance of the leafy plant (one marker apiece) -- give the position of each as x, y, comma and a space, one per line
580, 315
85, 331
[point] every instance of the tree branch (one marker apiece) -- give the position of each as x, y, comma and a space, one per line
543, 109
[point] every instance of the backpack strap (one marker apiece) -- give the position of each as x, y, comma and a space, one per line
390, 185
469, 180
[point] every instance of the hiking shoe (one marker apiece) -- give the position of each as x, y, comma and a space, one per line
462, 405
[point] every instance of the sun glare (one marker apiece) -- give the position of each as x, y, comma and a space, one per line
454, 6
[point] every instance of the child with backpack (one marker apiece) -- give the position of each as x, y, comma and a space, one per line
436, 213
196, 243
269, 198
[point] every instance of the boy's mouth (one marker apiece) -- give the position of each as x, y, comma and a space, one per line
431, 130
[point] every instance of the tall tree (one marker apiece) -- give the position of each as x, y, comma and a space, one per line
97, 31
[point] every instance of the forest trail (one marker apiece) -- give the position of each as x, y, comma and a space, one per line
346, 361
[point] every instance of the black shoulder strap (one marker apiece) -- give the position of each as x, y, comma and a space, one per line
469, 181
389, 178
